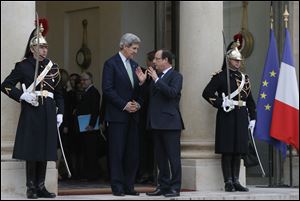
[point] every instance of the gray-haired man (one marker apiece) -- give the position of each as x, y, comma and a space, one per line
120, 87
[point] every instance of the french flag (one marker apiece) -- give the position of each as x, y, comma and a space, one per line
285, 119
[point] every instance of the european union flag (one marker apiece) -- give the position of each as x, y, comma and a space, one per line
266, 97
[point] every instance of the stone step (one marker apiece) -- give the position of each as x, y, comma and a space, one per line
255, 193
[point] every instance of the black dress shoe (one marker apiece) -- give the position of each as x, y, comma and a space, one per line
43, 193
157, 192
118, 193
132, 192
239, 187
172, 193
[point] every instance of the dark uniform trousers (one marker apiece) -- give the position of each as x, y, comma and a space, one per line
35, 179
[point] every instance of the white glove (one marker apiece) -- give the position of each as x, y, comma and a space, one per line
59, 119
30, 98
252, 125
227, 103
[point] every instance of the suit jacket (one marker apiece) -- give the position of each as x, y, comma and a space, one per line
90, 104
163, 109
117, 89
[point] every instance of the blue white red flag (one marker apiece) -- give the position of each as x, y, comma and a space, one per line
285, 120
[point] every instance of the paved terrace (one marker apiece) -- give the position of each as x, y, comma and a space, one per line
255, 193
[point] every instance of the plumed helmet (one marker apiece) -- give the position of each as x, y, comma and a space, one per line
39, 37
238, 38
234, 53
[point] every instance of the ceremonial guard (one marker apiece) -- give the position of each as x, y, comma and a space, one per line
234, 112
42, 107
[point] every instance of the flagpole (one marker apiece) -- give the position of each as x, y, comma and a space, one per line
276, 155
291, 165
279, 159
271, 165
286, 19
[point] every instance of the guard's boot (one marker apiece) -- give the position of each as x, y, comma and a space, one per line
226, 169
229, 187
42, 192
31, 191
30, 179
236, 173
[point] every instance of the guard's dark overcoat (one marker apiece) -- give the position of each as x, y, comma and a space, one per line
231, 127
36, 137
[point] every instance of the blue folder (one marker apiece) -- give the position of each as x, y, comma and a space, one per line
83, 122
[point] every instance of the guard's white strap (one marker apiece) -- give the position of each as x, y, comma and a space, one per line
239, 103
44, 93
236, 92
41, 76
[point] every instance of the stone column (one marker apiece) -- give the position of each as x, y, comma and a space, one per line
201, 54
17, 22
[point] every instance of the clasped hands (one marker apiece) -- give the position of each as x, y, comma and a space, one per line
132, 106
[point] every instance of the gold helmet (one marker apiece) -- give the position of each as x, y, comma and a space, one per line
234, 53
38, 36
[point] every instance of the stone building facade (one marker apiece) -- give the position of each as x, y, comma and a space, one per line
198, 45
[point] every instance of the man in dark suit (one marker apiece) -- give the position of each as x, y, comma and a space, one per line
165, 121
89, 105
121, 88
147, 168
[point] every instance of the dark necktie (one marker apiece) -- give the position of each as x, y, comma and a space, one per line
160, 74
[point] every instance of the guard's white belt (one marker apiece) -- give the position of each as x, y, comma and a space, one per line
239, 103
44, 93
